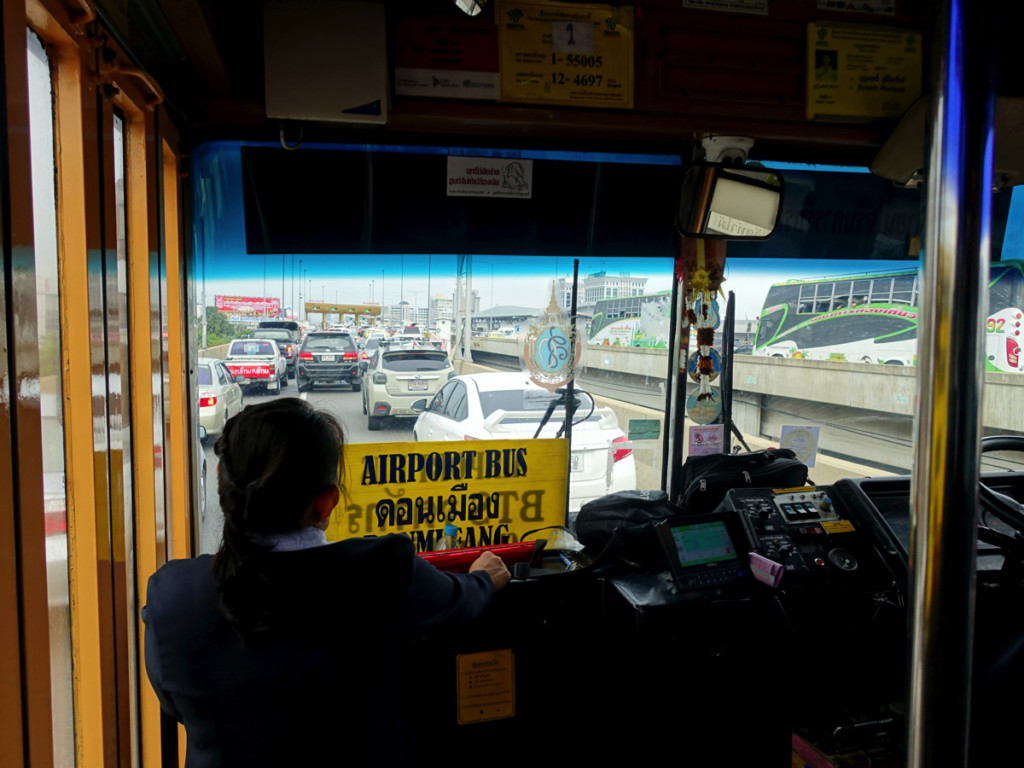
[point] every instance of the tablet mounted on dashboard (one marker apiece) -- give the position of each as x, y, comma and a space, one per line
704, 550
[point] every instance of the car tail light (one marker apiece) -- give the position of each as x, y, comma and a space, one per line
380, 378
305, 356
207, 400
289, 349
620, 453
364, 356
350, 356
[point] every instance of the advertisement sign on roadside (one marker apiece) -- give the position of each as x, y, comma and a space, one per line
251, 306
494, 490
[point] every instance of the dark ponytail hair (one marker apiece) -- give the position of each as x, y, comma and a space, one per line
274, 459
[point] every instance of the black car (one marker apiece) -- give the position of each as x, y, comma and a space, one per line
329, 357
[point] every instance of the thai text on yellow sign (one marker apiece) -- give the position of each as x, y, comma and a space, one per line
861, 71
494, 490
562, 53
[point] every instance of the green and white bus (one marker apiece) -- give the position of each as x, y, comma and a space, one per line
874, 318
632, 321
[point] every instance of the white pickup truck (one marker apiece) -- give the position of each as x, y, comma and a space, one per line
257, 363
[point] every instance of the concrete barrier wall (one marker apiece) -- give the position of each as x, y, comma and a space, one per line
885, 389
219, 352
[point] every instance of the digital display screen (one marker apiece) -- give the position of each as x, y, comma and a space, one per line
703, 543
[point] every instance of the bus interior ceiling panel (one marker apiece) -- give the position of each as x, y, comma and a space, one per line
334, 201
324, 201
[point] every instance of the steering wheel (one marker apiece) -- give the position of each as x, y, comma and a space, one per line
1004, 508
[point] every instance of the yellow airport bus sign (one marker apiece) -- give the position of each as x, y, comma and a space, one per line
494, 490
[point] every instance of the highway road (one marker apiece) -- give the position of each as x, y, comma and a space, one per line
345, 404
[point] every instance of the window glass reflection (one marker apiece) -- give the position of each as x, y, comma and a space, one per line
44, 211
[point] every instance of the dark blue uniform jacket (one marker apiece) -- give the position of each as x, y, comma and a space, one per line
318, 689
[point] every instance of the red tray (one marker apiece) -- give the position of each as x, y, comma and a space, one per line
459, 560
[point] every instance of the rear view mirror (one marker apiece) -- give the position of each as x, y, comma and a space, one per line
419, 406
729, 202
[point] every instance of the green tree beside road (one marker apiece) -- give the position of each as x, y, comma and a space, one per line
219, 330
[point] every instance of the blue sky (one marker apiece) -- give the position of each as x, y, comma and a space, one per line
500, 280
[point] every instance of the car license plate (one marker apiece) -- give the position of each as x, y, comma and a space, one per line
576, 462
327, 358
417, 386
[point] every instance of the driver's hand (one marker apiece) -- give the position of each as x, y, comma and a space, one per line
495, 567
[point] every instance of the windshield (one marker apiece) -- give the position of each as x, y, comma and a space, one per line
205, 380
415, 361
828, 308
531, 400
329, 344
279, 335
254, 348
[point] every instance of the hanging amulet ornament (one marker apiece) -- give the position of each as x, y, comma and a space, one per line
701, 264
705, 321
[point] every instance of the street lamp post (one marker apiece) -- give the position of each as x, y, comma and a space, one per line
416, 304
491, 264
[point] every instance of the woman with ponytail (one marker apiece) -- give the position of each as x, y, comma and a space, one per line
254, 649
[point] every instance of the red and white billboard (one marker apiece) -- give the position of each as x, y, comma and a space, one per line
248, 305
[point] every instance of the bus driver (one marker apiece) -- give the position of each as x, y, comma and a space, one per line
280, 649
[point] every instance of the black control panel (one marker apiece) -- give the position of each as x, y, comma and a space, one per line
815, 540
844, 604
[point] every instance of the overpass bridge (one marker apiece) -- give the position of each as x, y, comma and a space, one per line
863, 410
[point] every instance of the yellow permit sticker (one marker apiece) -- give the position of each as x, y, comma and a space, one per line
861, 71
838, 526
494, 490
566, 53
486, 686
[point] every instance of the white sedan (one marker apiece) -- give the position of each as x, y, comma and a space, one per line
220, 397
508, 406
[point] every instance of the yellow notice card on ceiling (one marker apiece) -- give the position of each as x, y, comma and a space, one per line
561, 53
494, 490
861, 72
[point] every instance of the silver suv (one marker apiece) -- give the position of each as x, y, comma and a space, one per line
400, 382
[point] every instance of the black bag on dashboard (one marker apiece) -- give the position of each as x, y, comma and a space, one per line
706, 479
622, 524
